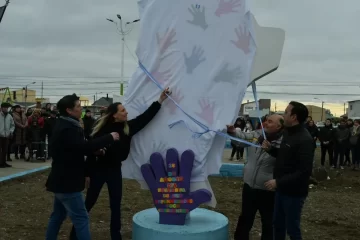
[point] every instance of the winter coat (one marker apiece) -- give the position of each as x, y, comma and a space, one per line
7, 125
21, 124
354, 136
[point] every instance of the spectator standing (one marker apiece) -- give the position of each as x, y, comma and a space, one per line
7, 128
314, 132
349, 125
48, 129
236, 147
327, 137
89, 122
355, 144
21, 124
342, 135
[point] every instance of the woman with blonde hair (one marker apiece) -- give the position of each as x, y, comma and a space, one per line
105, 166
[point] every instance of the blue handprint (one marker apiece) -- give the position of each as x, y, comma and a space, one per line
195, 59
170, 186
198, 16
228, 75
140, 105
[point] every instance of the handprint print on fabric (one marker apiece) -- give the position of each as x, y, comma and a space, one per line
159, 147
228, 75
243, 39
178, 97
227, 7
162, 77
194, 60
207, 111
170, 186
165, 42
198, 17
139, 105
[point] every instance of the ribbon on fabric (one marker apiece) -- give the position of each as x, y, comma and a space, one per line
203, 126
253, 84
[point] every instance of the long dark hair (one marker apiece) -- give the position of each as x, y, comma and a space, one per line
108, 119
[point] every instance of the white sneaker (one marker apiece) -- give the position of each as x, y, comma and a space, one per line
341, 167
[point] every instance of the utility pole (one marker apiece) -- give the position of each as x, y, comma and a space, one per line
322, 110
123, 31
42, 89
275, 108
344, 108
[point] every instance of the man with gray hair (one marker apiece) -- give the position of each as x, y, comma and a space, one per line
257, 171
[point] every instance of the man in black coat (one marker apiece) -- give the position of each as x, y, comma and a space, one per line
88, 123
67, 177
292, 171
48, 128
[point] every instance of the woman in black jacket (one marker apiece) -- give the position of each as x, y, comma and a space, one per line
107, 167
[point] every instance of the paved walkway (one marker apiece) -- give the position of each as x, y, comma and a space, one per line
20, 167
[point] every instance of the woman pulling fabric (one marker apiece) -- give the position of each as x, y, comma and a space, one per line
106, 166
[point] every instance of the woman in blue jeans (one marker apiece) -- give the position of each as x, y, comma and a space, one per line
107, 167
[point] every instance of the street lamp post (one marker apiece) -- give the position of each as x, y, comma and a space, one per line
26, 93
123, 30
322, 108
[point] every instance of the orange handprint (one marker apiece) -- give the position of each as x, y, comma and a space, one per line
207, 111
243, 41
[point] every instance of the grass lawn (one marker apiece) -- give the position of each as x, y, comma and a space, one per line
332, 210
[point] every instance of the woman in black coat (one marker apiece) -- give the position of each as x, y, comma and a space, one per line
106, 166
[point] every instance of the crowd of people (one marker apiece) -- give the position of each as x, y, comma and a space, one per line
341, 144
22, 129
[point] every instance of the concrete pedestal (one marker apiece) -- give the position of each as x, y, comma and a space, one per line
202, 225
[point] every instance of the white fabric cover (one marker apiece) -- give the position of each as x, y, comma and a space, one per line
203, 50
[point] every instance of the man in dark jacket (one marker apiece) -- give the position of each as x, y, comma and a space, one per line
67, 177
88, 123
342, 135
292, 171
48, 128
326, 137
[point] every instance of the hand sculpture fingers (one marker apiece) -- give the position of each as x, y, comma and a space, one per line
186, 165
172, 162
149, 176
157, 164
199, 197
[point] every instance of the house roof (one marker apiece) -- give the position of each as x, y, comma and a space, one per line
103, 102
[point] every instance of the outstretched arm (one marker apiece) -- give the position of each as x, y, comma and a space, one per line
142, 120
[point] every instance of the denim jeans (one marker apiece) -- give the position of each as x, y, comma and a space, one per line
71, 204
113, 179
287, 215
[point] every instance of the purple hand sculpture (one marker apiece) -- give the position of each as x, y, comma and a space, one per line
243, 41
170, 186
178, 97
207, 111
227, 7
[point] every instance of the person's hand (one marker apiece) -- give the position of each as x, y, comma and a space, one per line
271, 185
170, 183
230, 128
115, 136
266, 145
164, 95
100, 152
87, 182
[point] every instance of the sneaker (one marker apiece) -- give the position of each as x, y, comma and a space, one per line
341, 167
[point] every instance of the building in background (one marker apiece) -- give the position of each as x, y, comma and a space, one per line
84, 101
354, 109
319, 114
249, 108
103, 102
19, 96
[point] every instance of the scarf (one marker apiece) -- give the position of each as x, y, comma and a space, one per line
72, 120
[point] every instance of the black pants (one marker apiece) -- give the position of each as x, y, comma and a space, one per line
113, 179
238, 150
19, 149
339, 153
327, 149
252, 201
347, 155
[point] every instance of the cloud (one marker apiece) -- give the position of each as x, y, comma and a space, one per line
73, 38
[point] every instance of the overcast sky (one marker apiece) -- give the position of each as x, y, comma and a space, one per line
71, 47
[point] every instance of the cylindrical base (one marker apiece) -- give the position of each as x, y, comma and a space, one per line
202, 225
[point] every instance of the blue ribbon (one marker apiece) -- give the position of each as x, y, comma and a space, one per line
253, 84
204, 127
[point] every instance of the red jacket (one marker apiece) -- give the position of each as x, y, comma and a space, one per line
40, 121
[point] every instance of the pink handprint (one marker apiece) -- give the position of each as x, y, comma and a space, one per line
207, 111
178, 97
161, 77
165, 42
243, 41
227, 7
